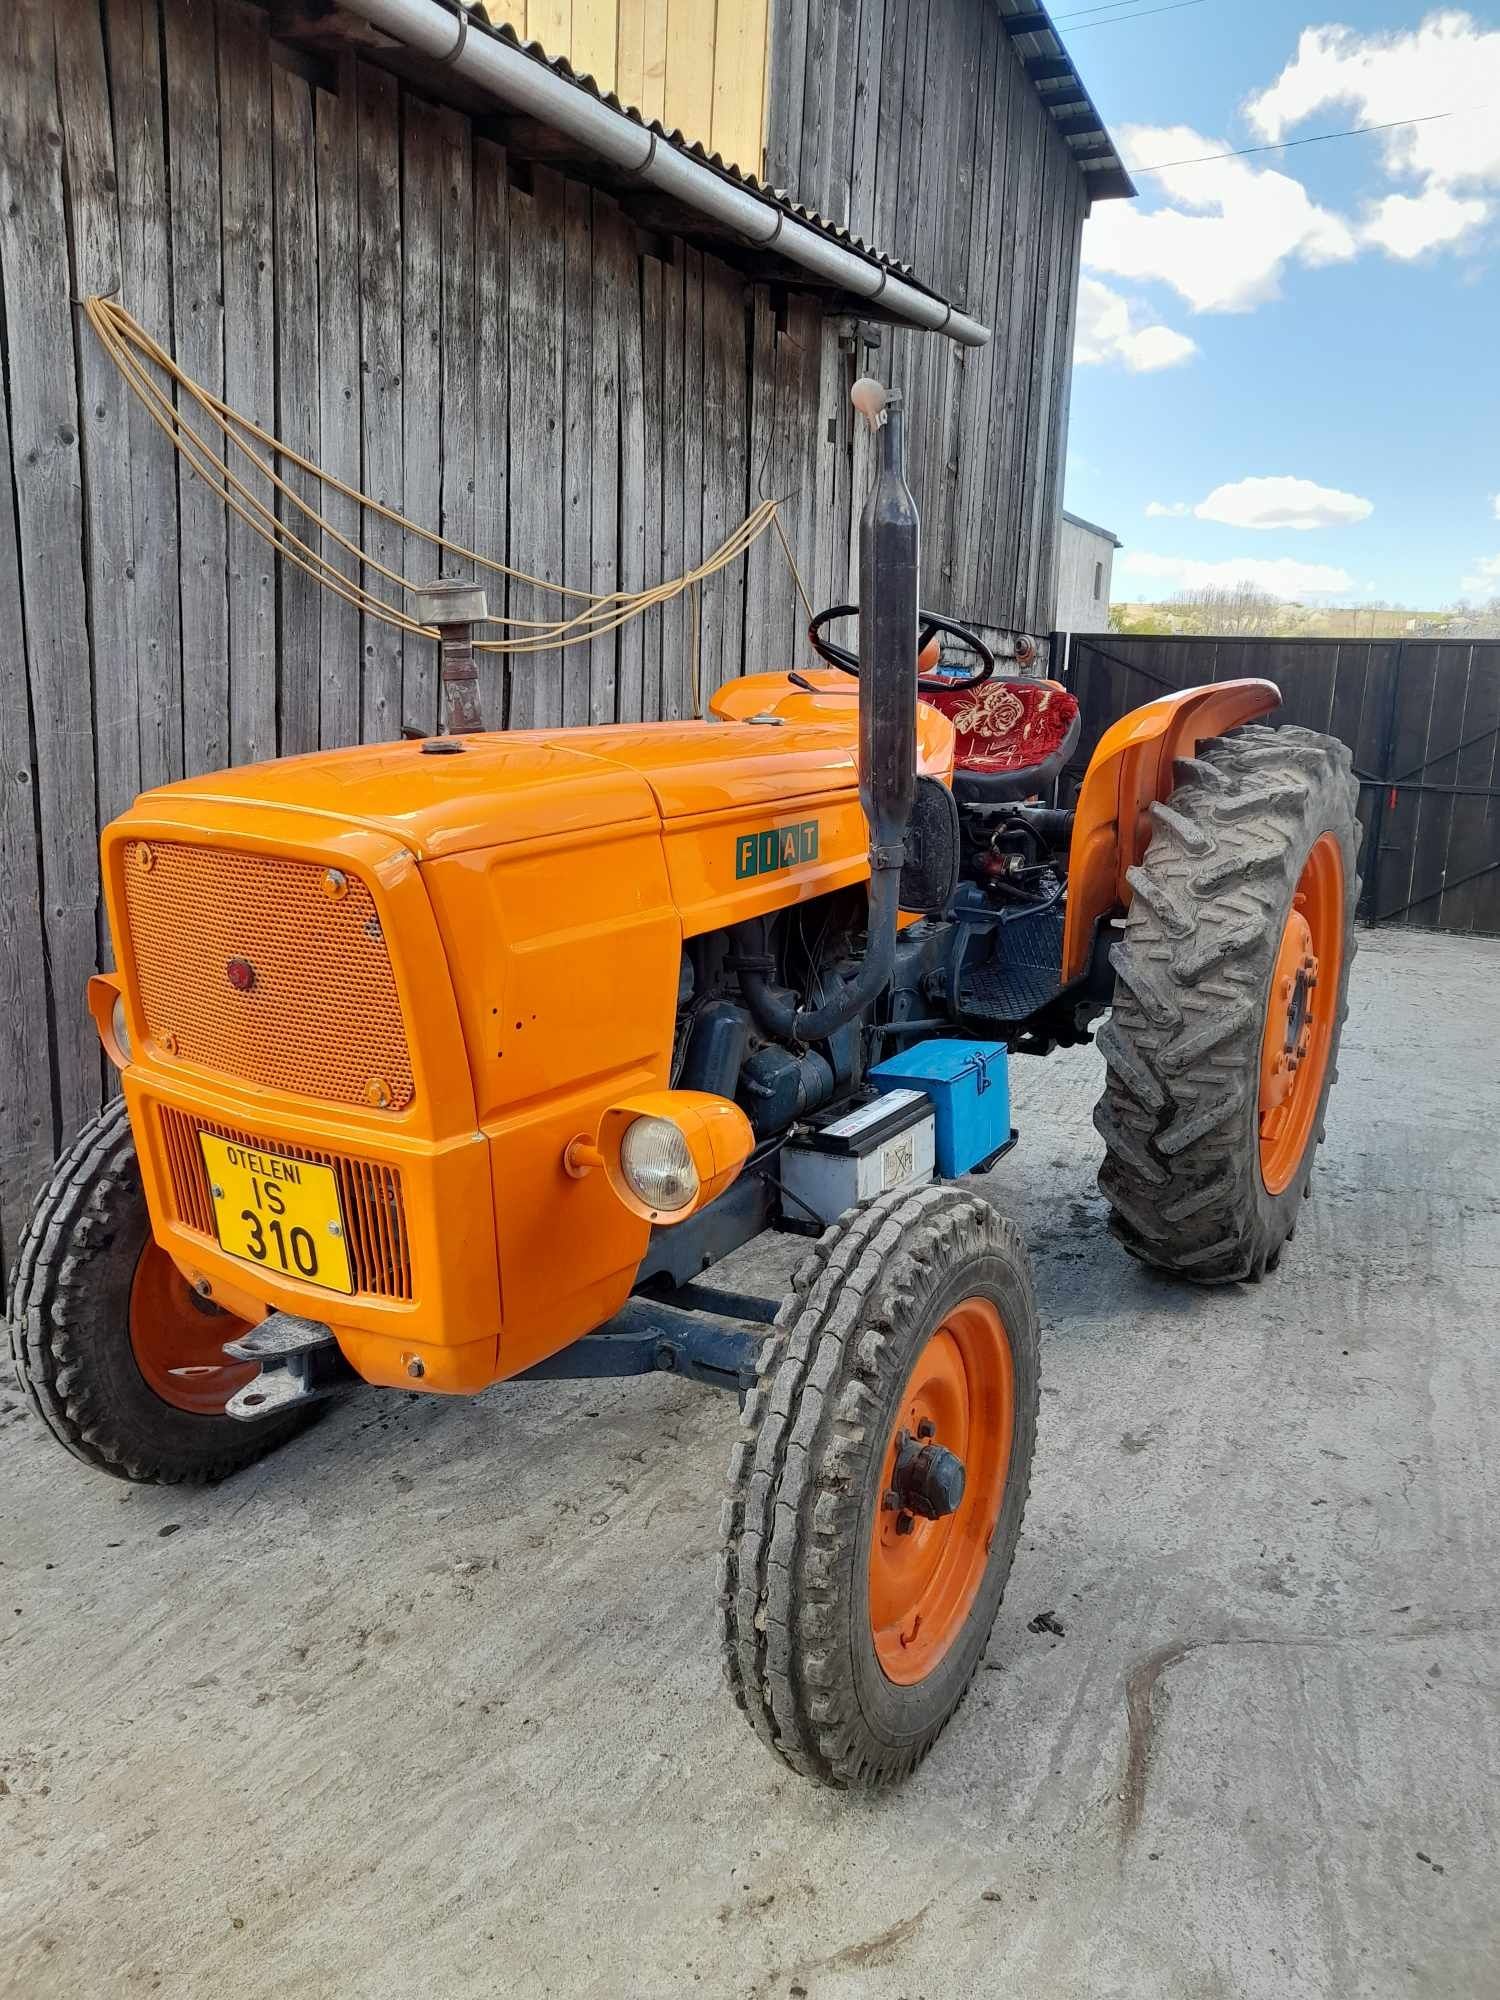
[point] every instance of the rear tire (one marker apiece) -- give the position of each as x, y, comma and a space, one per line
70, 1328
810, 1528
1258, 820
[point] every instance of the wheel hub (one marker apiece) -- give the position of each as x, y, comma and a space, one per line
178, 1339
942, 1489
928, 1480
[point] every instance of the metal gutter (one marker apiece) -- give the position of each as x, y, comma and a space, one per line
521, 83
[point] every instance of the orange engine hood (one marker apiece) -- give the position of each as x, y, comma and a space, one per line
519, 786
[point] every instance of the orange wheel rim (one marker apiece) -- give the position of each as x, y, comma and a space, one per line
1300, 1015
925, 1574
178, 1343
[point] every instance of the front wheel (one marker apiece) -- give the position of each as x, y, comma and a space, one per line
121, 1360
1232, 979
877, 1488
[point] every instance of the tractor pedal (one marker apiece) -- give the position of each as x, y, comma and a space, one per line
300, 1362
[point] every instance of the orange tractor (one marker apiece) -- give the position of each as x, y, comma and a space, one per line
450, 1061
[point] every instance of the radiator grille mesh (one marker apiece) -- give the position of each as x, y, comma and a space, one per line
320, 1017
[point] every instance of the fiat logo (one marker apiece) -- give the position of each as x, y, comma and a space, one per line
241, 974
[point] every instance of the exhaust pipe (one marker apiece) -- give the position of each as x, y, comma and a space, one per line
889, 563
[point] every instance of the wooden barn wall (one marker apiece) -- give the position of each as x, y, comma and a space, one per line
492, 349
912, 123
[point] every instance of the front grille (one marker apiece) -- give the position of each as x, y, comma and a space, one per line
370, 1194
319, 1016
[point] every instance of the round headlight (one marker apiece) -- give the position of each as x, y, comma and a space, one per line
657, 1165
122, 1033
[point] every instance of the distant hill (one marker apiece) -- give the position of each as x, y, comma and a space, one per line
1252, 613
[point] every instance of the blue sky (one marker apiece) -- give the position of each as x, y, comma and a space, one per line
1328, 315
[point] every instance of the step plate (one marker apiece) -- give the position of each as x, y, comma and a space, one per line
1020, 975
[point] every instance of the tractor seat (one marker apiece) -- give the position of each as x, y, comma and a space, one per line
1013, 737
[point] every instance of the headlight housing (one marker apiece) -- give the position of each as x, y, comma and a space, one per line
122, 1031
657, 1165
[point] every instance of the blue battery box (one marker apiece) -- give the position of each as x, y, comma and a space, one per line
969, 1084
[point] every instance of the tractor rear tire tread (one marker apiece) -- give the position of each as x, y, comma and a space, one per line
65, 1285
1182, 1045
790, 1530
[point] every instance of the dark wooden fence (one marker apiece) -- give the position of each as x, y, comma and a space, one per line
1421, 716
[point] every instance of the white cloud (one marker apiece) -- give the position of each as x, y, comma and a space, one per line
1406, 225
1451, 63
1497, 506
1283, 503
1282, 576
1227, 233
1485, 582
1107, 331
1160, 510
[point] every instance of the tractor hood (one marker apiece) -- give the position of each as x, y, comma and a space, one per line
517, 786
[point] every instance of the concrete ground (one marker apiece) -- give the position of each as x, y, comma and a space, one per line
430, 1704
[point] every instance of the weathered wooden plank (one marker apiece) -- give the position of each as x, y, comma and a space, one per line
624, 263
1415, 689
249, 364
692, 469
578, 437
715, 512
198, 316
47, 478
422, 416
298, 392
1006, 591
109, 543
492, 403
868, 77
652, 101
1060, 391
734, 472
977, 367
654, 416
340, 399
786, 121
739, 82
604, 503
765, 641
676, 692
536, 441
382, 431
630, 52
146, 286
459, 443
1038, 525
26, 1128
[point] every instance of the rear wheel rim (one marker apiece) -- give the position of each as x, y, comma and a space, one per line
1297, 1040
178, 1341
925, 1575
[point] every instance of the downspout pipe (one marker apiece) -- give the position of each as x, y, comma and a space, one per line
521, 83
889, 564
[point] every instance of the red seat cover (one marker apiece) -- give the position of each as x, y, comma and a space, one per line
1006, 725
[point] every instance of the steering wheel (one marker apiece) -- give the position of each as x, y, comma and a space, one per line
929, 625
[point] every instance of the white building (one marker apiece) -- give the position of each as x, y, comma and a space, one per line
1085, 566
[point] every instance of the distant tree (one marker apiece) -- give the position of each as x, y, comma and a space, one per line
1236, 610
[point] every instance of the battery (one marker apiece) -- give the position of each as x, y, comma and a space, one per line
834, 1166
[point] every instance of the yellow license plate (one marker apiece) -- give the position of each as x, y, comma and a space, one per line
281, 1214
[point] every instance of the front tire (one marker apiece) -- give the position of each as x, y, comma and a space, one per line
1231, 990
120, 1361
852, 1619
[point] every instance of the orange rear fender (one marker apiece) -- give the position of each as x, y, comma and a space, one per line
1129, 772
